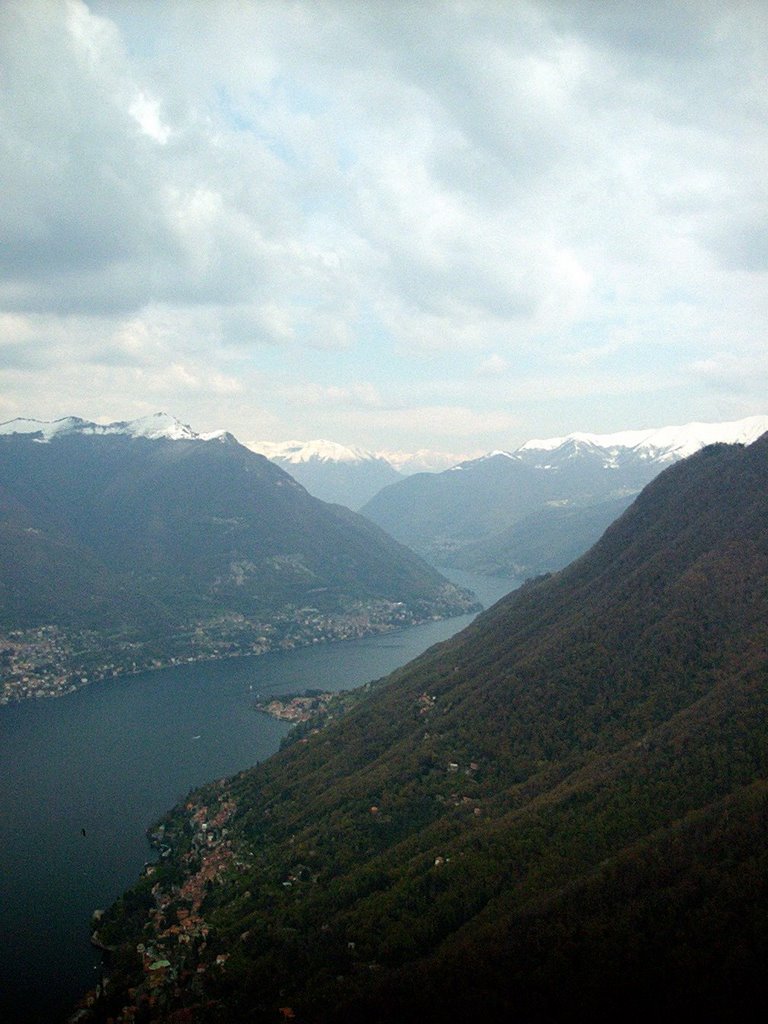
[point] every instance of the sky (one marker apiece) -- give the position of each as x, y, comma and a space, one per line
400, 225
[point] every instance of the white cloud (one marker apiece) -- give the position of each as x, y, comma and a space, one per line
542, 189
356, 395
739, 375
492, 366
146, 111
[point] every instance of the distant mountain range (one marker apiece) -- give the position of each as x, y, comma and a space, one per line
535, 508
560, 814
332, 472
156, 536
423, 460
155, 427
509, 513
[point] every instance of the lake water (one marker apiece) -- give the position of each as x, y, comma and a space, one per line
109, 760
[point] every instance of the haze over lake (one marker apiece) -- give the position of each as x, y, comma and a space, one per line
110, 759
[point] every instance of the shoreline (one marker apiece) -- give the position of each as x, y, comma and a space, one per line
297, 708
48, 643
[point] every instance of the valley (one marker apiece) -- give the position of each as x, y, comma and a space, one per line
599, 719
535, 508
141, 545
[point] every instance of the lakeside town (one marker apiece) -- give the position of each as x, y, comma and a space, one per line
297, 709
51, 661
173, 951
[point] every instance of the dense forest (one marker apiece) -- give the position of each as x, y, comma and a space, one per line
560, 813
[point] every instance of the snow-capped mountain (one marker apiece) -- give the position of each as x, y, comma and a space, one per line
497, 510
295, 453
158, 425
330, 471
660, 444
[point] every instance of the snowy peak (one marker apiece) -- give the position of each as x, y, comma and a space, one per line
157, 426
497, 453
330, 471
295, 453
47, 429
424, 460
660, 444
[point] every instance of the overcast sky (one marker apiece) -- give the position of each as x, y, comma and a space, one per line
405, 225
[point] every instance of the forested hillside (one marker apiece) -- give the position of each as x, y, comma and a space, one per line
559, 814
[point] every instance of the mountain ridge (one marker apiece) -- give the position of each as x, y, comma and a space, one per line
663, 442
296, 452
502, 520
156, 426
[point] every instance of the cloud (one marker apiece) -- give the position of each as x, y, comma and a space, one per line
110, 207
146, 111
732, 374
77, 199
741, 243
439, 425
356, 395
545, 188
492, 366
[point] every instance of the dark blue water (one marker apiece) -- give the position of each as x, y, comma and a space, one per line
110, 759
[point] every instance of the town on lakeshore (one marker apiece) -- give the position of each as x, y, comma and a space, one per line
173, 948
50, 661
301, 708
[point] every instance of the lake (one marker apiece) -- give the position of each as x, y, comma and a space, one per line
109, 759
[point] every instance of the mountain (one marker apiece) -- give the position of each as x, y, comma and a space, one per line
543, 541
558, 814
663, 444
158, 544
330, 471
558, 488
159, 425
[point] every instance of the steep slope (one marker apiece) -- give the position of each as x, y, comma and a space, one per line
330, 471
166, 537
464, 517
559, 814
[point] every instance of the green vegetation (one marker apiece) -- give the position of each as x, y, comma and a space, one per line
560, 813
